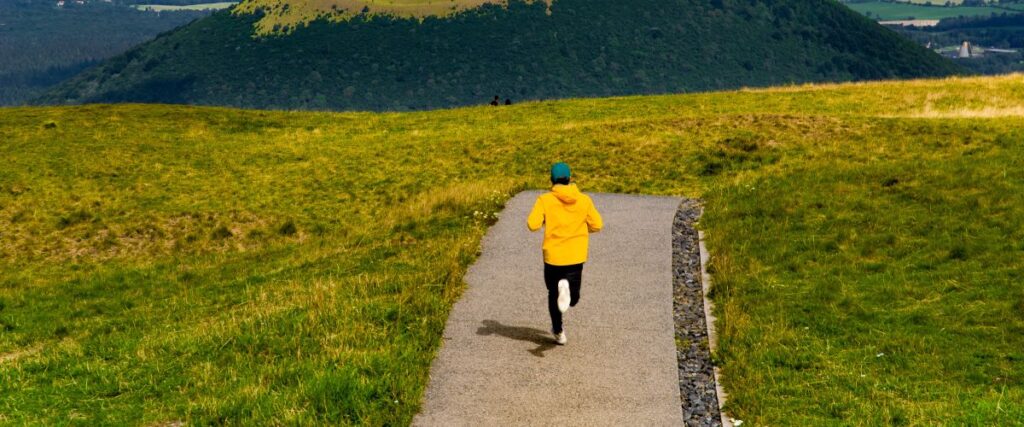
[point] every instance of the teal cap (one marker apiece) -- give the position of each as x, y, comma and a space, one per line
560, 170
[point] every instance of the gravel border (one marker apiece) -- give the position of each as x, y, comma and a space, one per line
697, 391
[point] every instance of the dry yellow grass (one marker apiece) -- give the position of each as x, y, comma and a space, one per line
18, 354
968, 113
989, 83
284, 15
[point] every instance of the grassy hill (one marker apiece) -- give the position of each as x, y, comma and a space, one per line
208, 265
521, 50
281, 16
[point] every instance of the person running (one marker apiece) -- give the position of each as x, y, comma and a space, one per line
568, 217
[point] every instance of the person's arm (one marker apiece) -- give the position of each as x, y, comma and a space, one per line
536, 219
594, 221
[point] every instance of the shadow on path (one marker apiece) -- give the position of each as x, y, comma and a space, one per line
543, 339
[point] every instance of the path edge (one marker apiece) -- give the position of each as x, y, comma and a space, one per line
709, 320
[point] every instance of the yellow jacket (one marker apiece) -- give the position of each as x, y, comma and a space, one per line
568, 217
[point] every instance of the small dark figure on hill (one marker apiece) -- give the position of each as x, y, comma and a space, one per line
508, 101
495, 101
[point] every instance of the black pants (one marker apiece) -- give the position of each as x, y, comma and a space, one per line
553, 274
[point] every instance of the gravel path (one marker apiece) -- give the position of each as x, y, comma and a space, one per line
696, 372
498, 364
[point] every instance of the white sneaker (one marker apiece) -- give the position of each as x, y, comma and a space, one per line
561, 339
563, 295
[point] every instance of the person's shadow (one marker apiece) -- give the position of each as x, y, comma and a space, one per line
543, 340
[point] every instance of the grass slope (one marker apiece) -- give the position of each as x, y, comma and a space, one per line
522, 51
162, 263
280, 16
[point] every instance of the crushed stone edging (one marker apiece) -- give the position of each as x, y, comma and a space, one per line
702, 397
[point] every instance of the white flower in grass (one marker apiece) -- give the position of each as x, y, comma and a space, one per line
736, 422
880, 355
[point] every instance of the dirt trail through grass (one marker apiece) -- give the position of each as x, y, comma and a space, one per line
499, 365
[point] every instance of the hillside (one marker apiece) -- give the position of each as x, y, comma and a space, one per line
216, 266
282, 16
386, 60
43, 45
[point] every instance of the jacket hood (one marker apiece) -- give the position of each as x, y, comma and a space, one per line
568, 194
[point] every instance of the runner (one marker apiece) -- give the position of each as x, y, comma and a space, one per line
568, 217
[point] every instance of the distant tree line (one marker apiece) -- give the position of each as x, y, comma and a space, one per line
999, 31
1003, 31
170, 2
42, 45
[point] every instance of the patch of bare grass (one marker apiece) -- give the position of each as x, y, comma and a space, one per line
14, 356
283, 16
967, 113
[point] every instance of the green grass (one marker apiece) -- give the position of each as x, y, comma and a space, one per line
888, 11
165, 263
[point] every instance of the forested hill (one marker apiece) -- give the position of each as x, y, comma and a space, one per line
535, 50
42, 44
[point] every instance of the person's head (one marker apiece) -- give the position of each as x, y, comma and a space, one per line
560, 174
496, 97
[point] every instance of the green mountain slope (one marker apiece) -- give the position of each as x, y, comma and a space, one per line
570, 48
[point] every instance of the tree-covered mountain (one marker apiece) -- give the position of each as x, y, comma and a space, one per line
42, 44
521, 50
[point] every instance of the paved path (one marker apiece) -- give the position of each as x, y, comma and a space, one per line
498, 364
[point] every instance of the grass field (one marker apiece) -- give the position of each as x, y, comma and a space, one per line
283, 15
888, 11
164, 263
